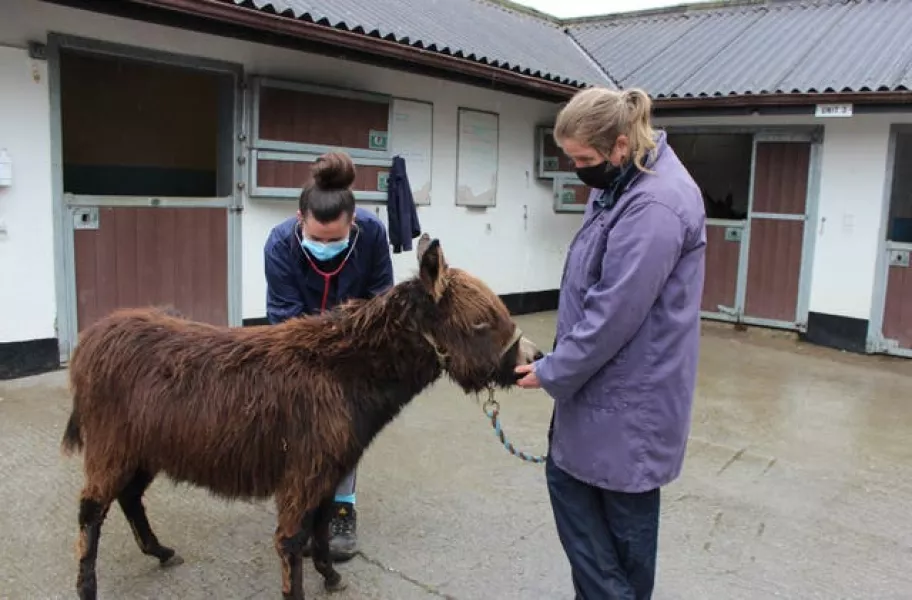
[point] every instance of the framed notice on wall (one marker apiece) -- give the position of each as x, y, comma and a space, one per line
477, 156
413, 135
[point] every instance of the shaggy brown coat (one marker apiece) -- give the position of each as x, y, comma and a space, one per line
284, 410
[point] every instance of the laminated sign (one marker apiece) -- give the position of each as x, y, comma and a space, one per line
378, 140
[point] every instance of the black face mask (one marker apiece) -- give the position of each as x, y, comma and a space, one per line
600, 176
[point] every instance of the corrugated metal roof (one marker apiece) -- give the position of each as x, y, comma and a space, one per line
472, 29
803, 46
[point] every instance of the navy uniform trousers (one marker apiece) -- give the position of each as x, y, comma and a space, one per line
610, 538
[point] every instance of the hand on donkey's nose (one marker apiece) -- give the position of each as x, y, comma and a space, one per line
526, 377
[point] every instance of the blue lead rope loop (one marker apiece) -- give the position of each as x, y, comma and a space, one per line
492, 410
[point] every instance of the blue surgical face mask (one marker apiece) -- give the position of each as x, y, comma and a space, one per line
324, 251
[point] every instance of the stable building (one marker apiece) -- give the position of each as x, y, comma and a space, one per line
151, 144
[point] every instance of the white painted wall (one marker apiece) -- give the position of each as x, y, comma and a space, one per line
848, 229
27, 302
509, 252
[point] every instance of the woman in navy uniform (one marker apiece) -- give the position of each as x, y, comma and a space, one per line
328, 253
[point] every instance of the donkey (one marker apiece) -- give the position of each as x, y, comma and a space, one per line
283, 410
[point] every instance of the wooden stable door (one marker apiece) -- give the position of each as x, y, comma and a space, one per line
723, 248
897, 318
141, 256
777, 222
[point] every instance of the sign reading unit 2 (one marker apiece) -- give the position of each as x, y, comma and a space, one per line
833, 110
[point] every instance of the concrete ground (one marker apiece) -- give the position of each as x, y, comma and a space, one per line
798, 484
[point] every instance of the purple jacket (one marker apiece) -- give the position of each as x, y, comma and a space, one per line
624, 368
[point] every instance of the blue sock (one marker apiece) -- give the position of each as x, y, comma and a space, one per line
349, 498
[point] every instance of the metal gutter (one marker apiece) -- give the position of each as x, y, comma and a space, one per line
749, 101
230, 13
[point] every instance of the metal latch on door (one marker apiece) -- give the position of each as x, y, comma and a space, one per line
899, 258
85, 217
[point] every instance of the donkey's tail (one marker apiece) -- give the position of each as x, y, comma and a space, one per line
72, 436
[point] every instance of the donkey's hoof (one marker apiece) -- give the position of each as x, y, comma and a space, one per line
334, 584
171, 561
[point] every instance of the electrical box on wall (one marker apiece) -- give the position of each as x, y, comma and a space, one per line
6, 168
570, 194
551, 162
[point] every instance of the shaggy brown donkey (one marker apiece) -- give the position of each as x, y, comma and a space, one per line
282, 410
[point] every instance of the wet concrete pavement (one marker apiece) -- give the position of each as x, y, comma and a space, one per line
798, 484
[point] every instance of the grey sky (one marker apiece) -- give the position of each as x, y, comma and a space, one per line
580, 8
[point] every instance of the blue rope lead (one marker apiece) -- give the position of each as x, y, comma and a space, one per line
492, 410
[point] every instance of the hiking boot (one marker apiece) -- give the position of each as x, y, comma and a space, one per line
343, 534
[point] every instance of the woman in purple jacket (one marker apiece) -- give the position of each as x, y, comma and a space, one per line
624, 364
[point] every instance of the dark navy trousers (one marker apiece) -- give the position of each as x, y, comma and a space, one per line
610, 538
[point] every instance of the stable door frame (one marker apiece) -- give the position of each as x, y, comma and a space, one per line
65, 206
810, 134
877, 342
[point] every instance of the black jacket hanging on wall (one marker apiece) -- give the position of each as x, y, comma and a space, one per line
400, 208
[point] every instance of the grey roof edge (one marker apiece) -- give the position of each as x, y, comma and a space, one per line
596, 74
677, 10
431, 46
524, 10
894, 87
595, 64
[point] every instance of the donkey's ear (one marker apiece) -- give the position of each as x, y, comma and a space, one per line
432, 267
423, 242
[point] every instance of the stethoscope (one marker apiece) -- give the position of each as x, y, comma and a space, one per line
327, 276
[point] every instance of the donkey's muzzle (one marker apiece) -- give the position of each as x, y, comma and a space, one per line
528, 352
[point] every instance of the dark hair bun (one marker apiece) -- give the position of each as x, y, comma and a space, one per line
333, 171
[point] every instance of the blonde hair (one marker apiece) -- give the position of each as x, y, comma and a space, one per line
596, 117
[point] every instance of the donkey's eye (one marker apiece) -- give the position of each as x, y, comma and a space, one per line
481, 327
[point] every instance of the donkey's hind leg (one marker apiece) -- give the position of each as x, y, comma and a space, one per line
104, 479
92, 514
130, 500
322, 559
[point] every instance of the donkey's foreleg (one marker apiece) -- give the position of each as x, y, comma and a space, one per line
130, 500
293, 529
322, 559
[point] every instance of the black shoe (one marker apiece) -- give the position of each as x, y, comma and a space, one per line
343, 534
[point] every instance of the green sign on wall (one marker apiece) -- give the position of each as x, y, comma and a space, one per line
378, 140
